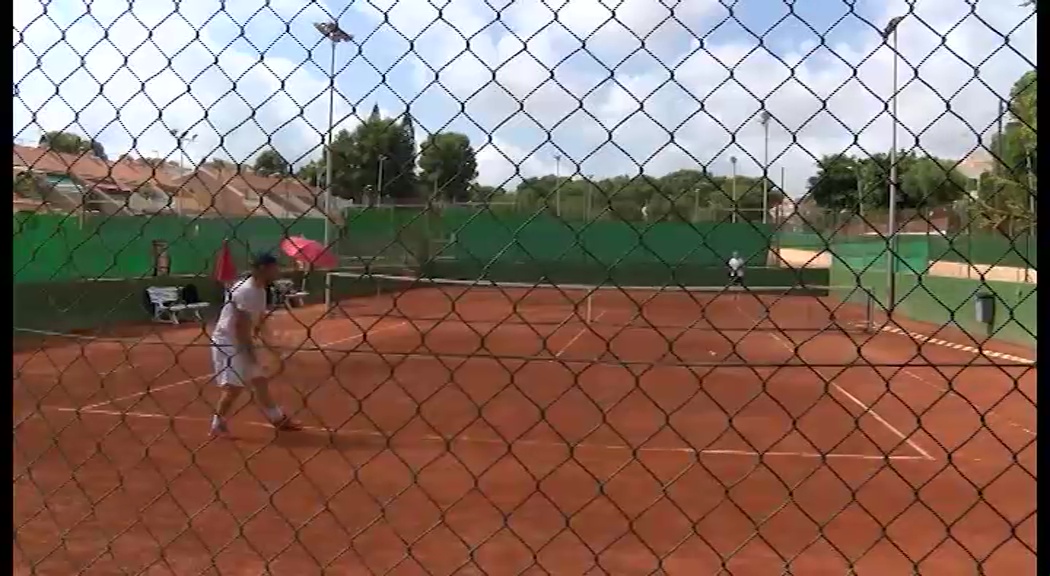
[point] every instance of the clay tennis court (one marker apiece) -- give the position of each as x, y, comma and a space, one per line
469, 431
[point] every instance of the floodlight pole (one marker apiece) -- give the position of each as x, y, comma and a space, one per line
179, 140
335, 34
890, 32
1029, 249
557, 183
732, 160
379, 182
765, 167
860, 191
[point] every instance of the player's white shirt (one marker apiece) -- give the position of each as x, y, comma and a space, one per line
736, 265
246, 296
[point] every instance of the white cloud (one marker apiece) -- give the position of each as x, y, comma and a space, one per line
128, 76
528, 79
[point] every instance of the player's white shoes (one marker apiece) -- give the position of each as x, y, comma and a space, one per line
219, 429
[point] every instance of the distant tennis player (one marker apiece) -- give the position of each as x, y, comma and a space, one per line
234, 348
736, 270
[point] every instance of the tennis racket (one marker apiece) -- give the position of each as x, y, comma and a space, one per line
275, 348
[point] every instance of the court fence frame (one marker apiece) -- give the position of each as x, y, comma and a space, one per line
525, 352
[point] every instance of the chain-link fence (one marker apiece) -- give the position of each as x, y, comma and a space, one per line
527, 288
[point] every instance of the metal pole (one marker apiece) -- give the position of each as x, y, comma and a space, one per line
783, 196
1031, 216
328, 153
696, 204
732, 161
860, 191
765, 169
557, 183
379, 182
178, 205
1000, 162
334, 34
891, 240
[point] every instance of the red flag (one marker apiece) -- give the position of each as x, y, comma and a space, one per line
225, 270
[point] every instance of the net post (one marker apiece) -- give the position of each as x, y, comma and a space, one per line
869, 311
327, 293
590, 299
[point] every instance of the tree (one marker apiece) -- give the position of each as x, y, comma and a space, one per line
220, 164
1005, 198
835, 185
483, 193
931, 182
377, 158
25, 184
684, 195
312, 173
98, 150
270, 163
749, 193
846, 183
449, 164
70, 143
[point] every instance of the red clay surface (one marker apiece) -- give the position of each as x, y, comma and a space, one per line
505, 435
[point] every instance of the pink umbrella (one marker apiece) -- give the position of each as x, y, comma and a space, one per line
308, 252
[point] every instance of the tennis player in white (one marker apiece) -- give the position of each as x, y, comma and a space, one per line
234, 350
736, 269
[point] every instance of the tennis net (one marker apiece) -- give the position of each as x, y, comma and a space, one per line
727, 307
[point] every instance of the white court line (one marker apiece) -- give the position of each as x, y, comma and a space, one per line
58, 371
368, 330
500, 442
867, 409
915, 446
203, 376
578, 334
147, 391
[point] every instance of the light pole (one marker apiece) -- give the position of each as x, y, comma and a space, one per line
335, 35
732, 160
587, 200
764, 119
783, 196
379, 181
557, 184
891, 220
860, 191
180, 140
1031, 215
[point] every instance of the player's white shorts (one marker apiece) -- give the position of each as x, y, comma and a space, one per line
232, 368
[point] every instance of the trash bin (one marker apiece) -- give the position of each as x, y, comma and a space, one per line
985, 307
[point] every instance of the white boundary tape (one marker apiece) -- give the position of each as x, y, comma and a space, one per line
957, 346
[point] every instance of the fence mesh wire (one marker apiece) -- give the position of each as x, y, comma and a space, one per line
564, 287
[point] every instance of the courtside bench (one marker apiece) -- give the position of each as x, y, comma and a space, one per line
168, 304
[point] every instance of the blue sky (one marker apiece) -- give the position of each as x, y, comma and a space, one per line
250, 74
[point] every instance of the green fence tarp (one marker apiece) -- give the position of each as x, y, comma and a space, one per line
50, 247
944, 301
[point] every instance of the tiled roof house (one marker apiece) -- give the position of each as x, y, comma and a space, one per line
135, 186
